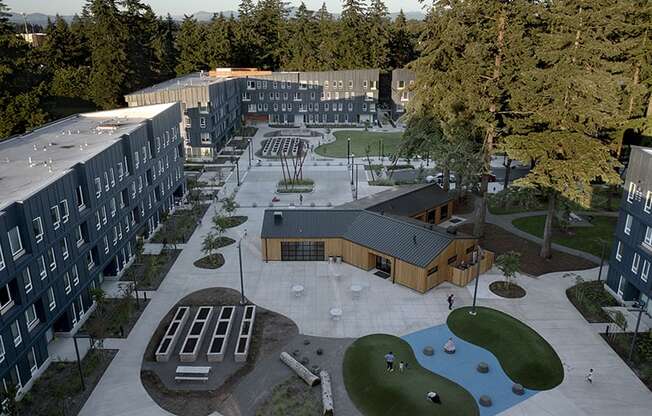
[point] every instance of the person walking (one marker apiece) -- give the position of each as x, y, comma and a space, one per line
300, 199
389, 360
401, 366
451, 301
589, 376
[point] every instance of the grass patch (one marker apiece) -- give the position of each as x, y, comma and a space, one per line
292, 397
150, 270
641, 362
179, 226
359, 142
589, 298
585, 239
376, 392
58, 391
114, 317
212, 261
525, 356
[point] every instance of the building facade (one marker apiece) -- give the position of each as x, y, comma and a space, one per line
75, 196
631, 257
402, 91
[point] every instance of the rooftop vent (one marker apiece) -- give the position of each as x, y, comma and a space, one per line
414, 238
451, 230
278, 217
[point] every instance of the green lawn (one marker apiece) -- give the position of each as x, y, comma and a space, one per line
376, 392
359, 142
586, 239
525, 356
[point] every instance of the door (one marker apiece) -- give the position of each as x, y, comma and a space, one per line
302, 250
383, 264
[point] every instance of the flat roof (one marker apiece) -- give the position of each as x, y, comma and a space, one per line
196, 79
55, 148
404, 200
407, 241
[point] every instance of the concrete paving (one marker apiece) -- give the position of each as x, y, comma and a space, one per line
382, 307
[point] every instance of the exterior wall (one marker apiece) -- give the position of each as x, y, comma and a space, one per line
329, 97
402, 80
272, 247
637, 196
162, 175
423, 216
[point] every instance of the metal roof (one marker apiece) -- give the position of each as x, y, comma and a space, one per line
412, 243
406, 200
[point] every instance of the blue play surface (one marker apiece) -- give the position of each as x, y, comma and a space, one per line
461, 368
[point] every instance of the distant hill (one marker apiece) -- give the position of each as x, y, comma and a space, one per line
201, 16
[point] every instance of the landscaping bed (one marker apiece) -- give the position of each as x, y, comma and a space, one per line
589, 298
507, 290
235, 221
500, 241
58, 391
299, 186
523, 354
150, 270
179, 226
585, 238
212, 261
292, 397
641, 363
114, 318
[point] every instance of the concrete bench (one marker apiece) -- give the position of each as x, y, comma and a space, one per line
191, 378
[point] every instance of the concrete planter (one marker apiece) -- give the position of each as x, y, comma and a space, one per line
220, 339
169, 340
245, 334
190, 349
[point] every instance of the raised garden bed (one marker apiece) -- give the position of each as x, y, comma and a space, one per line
179, 226
245, 333
190, 348
114, 318
212, 261
150, 270
589, 298
169, 340
220, 339
507, 290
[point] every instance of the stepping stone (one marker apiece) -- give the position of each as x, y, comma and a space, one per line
483, 368
429, 351
485, 400
518, 389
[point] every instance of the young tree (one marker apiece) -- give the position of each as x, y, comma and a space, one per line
509, 264
210, 244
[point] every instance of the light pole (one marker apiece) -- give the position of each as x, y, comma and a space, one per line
477, 278
356, 181
79, 365
640, 309
352, 163
348, 150
243, 301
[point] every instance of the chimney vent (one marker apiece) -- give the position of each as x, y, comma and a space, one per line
278, 217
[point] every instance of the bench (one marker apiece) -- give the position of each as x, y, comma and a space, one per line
196, 373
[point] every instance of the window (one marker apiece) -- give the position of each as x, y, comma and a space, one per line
67, 287
52, 261
42, 270
645, 271
56, 216
120, 171
619, 251
80, 198
37, 226
52, 302
648, 202
15, 243
364, 84
106, 181
79, 236
350, 84
105, 240
251, 85
75, 275
405, 96
648, 238
6, 300
113, 207
302, 250
2, 349
628, 224
98, 187
15, 333
2, 259
274, 84
112, 175
27, 280
434, 269
115, 235
90, 261
373, 85
401, 85
65, 212
635, 263
31, 360
452, 260
122, 196
137, 158
202, 122
632, 192
31, 318
340, 84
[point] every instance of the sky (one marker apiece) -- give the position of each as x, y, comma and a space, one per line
177, 7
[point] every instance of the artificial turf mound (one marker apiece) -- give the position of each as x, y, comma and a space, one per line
376, 392
523, 354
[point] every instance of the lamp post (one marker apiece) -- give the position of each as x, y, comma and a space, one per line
604, 246
348, 150
79, 365
352, 163
640, 309
356, 181
243, 301
477, 278
237, 170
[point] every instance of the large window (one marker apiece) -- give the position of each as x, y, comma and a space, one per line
31, 318
628, 224
56, 216
648, 237
15, 243
6, 302
302, 250
37, 226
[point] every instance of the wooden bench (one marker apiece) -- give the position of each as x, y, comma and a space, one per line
195, 373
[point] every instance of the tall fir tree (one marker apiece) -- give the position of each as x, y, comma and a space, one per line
218, 42
270, 26
327, 39
165, 49
191, 40
142, 32
303, 44
245, 36
401, 43
378, 25
352, 36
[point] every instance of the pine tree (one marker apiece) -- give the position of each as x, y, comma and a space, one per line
401, 43
218, 43
165, 50
190, 43
327, 42
303, 45
246, 38
271, 29
142, 31
352, 36
377, 35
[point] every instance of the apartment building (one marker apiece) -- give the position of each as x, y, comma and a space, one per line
402, 90
629, 266
74, 197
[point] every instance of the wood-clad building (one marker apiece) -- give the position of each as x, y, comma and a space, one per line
413, 253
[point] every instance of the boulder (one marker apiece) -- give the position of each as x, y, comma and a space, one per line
518, 389
485, 400
429, 351
483, 367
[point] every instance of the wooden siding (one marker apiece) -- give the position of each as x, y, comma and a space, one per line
423, 215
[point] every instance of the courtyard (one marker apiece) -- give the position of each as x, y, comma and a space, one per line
388, 143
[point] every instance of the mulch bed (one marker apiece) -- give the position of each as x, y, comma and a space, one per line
505, 290
179, 226
236, 220
271, 332
500, 241
161, 265
589, 298
212, 261
119, 314
58, 391
292, 397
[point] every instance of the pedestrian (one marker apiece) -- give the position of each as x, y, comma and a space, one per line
401, 366
589, 376
451, 301
300, 199
389, 360
433, 397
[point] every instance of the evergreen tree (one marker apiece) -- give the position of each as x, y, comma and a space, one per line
218, 43
190, 43
165, 50
303, 44
142, 32
352, 36
270, 26
246, 38
110, 63
377, 35
401, 43
327, 40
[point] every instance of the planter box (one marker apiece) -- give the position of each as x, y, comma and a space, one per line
169, 340
190, 349
245, 334
220, 339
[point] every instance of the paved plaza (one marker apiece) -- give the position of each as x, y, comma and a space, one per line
381, 307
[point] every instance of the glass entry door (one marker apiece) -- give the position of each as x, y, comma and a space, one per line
383, 264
